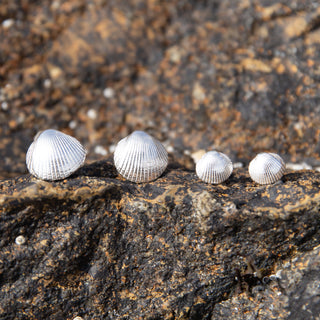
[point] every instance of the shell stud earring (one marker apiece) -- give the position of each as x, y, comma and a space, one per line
140, 158
266, 168
54, 155
214, 167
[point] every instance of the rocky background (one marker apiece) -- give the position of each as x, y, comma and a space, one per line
238, 76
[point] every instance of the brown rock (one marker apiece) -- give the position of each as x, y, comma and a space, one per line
100, 247
238, 76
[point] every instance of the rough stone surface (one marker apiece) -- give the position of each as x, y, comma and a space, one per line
291, 293
100, 247
239, 76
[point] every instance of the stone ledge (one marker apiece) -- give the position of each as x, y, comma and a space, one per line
104, 248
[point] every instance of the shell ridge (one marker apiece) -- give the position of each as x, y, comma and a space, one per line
117, 159
266, 168
54, 155
64, 155
55, 161
72, 154
122, 153
52, 169
154, 154
36, 164
137, 175
140, 157
130, 168
147, 174
214, 167
39, 160
164, 158
29, 158
142, 174
143, 160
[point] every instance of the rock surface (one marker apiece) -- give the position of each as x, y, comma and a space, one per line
100, 247
239, 76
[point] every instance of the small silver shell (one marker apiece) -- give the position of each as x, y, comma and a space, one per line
214, 167
266, 168
140, 157
54, 155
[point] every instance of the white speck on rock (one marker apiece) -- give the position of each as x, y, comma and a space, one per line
298, 166
238, 165
92, 114
72, 124
4, 105
100, 150
20, 240
174, 54
108, 93
112, 148
198, 92
8, 23
170, 149
55, 5
47, 83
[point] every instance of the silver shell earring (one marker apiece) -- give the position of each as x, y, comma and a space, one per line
266, 168
140, 158
214, 167
54, 155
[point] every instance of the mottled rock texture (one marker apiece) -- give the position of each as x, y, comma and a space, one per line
239, 76
100, 247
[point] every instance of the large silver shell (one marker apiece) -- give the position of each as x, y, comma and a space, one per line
214, 167
54, 155
266, 168
140, 157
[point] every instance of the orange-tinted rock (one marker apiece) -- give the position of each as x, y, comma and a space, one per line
176, 248
238, 76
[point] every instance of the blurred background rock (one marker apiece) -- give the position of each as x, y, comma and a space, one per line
237, 76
